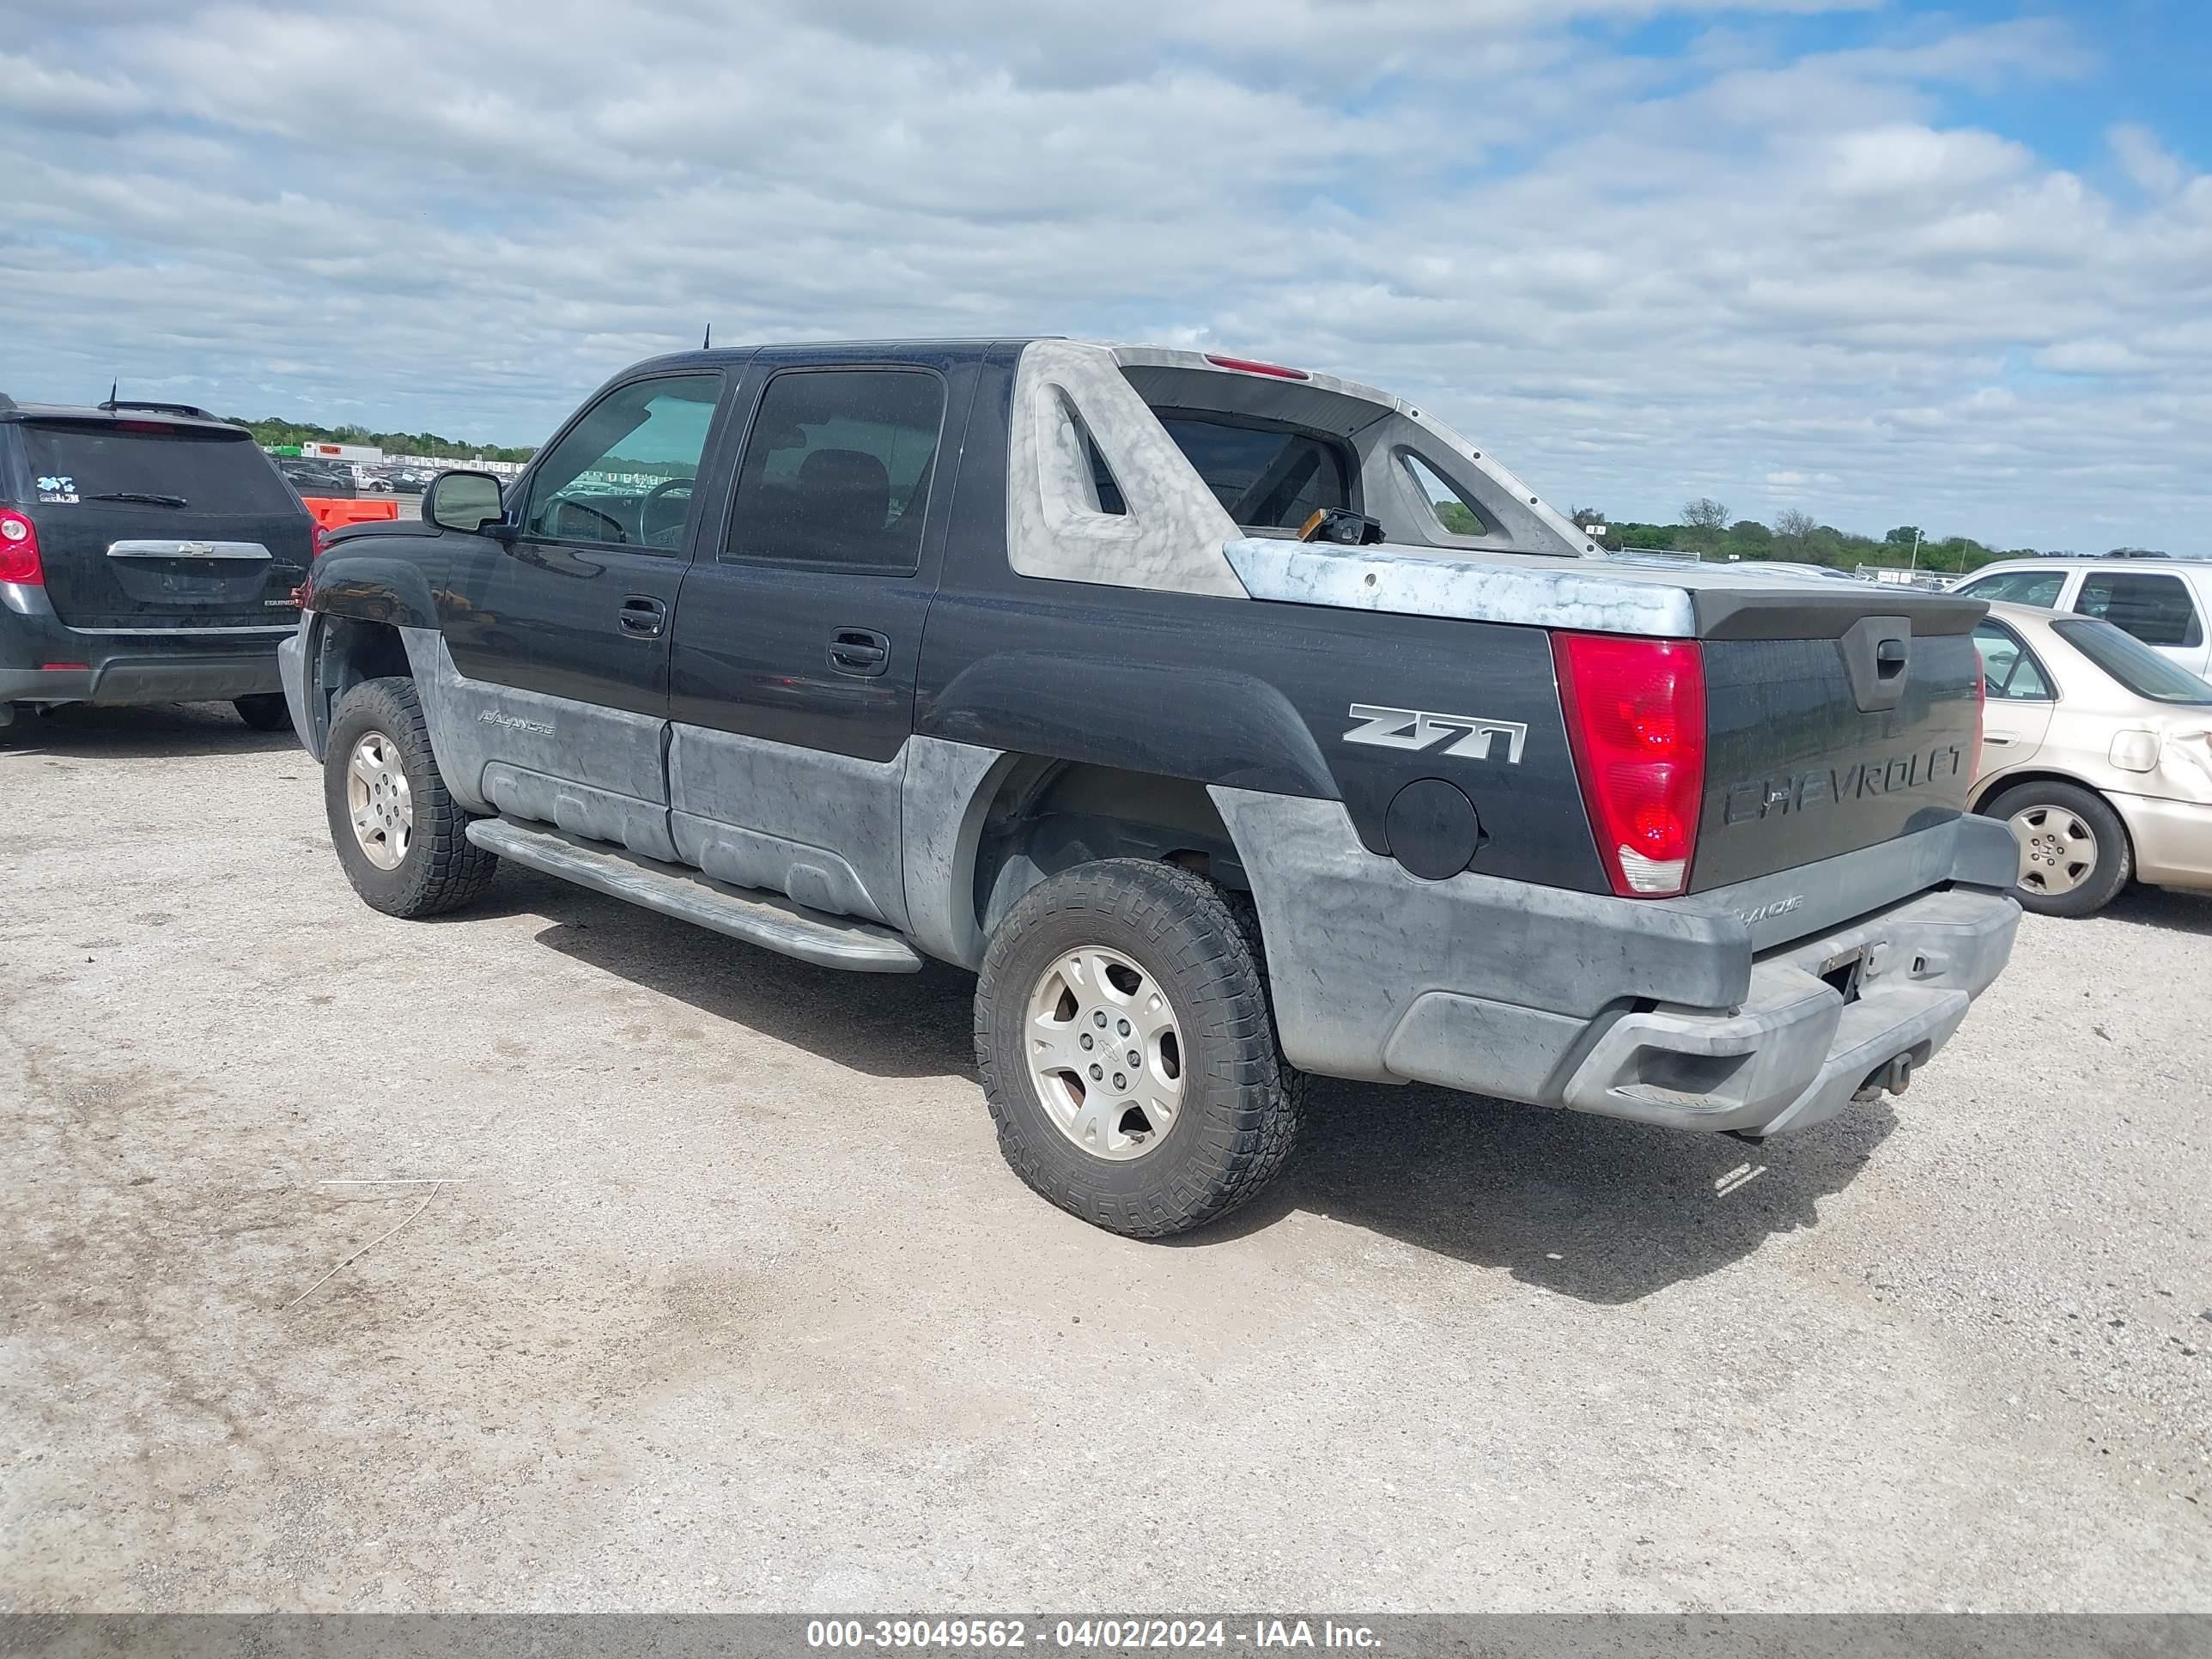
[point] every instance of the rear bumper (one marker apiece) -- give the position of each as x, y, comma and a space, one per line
158, 666
1827, 1019
2172, 839
1700, 1012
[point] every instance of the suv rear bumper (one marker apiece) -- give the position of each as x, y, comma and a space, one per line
157, 665
1696, 1013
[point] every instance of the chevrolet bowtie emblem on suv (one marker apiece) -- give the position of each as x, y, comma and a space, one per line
1417, 728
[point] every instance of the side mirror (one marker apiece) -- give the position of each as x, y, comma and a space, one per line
463, 501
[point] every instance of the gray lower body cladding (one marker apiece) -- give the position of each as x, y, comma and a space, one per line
1694, 1013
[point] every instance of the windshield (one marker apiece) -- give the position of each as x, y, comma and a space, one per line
75, 462
2132, 663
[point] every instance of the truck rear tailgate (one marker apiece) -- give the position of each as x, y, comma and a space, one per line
1799, 768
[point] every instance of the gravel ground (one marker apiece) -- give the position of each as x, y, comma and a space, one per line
730, 1301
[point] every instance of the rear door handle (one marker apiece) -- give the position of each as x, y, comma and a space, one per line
859, 652
642, 616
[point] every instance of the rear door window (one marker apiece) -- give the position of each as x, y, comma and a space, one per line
2157, 609
1265, 477
2040, 588
151, 464
837, 470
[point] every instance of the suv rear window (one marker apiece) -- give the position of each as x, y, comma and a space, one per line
1267, 477
214, 472
2132, 663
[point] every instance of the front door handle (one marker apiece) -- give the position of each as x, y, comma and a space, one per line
859, 652
1999, 739
642, 616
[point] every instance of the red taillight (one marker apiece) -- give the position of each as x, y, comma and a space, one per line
19, 550
1247, 366
1636, 720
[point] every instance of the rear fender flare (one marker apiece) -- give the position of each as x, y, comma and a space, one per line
1209, 726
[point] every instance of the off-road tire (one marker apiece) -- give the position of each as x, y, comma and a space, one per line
443, 869
1239, 1117
265, 711
2115, 852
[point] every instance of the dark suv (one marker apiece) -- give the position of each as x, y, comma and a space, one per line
148, 554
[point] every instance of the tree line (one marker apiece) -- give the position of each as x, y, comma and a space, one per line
270, 432
1704, 526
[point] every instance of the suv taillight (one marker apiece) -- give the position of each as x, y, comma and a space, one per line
19, 550
1636, 720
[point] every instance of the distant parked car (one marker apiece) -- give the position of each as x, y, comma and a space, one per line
310, 477
2166, 608
413, 480
2097, 751
148, 554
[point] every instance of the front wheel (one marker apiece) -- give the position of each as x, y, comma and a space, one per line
2074, 851
400, 836
1126, 1049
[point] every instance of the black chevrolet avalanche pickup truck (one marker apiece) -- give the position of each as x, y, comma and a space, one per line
1230, 722
148, 554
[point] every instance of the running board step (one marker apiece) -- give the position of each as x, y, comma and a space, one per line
674, 889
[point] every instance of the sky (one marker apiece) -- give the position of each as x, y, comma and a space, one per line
1883, 263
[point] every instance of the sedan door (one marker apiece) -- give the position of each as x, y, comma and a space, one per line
2020, 697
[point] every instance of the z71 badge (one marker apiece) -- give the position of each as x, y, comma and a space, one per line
1468, 735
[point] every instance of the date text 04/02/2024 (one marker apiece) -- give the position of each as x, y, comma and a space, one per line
1128, 1633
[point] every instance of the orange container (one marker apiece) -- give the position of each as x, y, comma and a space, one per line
332, 514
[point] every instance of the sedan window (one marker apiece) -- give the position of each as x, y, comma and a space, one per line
2009, 670
2132, 663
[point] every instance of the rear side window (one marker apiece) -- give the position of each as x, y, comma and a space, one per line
2009, 669
1454, 513
2132, 663
2156, 609
2040, 588
116, 463
1265, 477
837, 470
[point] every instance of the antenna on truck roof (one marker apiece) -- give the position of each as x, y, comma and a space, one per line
707, 344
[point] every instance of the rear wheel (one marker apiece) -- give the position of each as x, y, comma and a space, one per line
265, 711
400, 836
1128, 1052
2074, 857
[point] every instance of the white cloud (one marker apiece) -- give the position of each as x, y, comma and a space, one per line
1789, 277
2145, 160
